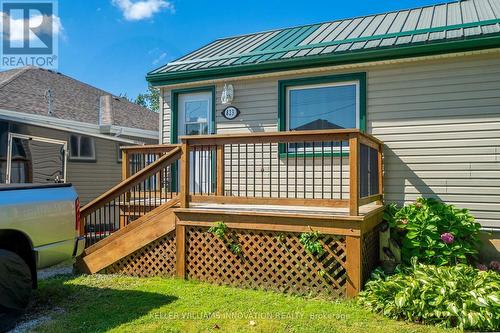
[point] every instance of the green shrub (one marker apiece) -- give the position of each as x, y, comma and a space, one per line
434, 232
219, 229
447, 296
311, 242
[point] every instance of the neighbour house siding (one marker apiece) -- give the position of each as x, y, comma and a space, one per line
90, 179
439, 120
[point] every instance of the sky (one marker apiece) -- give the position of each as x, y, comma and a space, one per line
112, 44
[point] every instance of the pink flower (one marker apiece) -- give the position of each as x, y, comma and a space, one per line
404, 221
482, 267
447, 237
495, 265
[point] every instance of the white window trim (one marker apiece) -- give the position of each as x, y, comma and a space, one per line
322, 85
78, 157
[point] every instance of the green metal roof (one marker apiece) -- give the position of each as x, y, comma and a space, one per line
341, 41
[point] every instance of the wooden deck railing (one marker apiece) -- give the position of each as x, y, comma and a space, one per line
335, 168
136, 158
135, 196
331, 168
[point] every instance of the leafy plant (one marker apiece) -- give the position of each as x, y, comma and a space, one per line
219, 230
450, 296
311, 242
235, 248
434, 232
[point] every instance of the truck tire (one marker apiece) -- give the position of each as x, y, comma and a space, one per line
15, 281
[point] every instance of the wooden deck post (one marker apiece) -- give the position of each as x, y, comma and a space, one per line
220, 170
380, 172
180, 250
125, 175
125, 165
354, 175
184, 176
353, 265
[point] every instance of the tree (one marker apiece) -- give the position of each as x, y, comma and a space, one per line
150, 99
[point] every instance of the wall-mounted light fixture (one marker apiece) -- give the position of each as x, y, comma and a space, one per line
227, 94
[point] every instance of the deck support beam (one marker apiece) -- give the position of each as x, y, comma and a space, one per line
353, 265
180, 250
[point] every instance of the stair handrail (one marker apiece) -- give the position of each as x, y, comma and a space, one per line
130, 182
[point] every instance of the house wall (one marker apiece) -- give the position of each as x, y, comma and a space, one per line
439, 120
89, 178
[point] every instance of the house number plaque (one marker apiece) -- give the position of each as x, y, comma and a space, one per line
230, 112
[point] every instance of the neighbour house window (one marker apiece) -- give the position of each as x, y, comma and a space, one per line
321, 103
82, 148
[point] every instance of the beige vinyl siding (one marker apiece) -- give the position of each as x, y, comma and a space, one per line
440, 123
258, 103
439, 120
90, 179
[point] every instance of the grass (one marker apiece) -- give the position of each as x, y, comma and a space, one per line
110, 303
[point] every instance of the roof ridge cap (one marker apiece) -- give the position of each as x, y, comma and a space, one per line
21, 71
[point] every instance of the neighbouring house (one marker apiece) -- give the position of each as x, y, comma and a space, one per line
61, 129
294, 138
425, 81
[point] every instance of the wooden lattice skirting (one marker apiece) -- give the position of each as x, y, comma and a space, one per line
268, 260
155, 259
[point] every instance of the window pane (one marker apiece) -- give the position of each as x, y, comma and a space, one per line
86, 147
196, 111
73, 145
322, 108
204, 128
192, 129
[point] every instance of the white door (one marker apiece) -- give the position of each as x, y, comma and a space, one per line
32, 159
195, 118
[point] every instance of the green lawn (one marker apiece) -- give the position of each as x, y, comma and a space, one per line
103, 303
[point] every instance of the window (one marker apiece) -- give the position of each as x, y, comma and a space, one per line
319, 103
315, 107
82, 148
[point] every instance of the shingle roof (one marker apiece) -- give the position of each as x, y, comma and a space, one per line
24, 90
425, 25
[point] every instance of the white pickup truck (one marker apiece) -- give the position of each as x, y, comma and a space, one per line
39, 227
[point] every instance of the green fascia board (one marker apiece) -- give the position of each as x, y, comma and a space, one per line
284, 84
348, 57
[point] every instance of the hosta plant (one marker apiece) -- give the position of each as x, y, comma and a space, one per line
450, 296
434, 232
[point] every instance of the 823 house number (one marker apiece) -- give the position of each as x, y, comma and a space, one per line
230, 112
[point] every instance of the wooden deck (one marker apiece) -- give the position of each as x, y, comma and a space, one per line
276, 210
267, 188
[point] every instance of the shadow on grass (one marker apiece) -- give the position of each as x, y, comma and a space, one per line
75, 307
